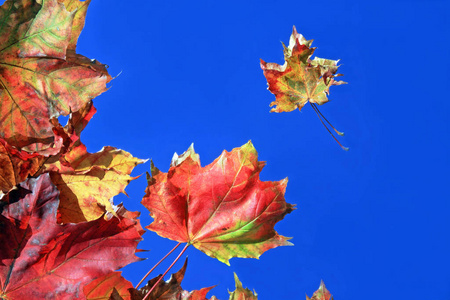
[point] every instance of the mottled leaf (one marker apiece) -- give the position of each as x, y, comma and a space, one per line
39, 78
300, 80
222, 209
321, 294
41, 259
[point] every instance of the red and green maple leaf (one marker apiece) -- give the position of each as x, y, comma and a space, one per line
41, 259
40, 78
222, 209
321, 294
300, 79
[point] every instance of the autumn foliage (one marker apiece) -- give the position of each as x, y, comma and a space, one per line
62, 235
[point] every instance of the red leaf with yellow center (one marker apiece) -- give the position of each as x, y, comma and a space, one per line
222, 209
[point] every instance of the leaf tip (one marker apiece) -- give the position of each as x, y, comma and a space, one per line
189, 153
238, 283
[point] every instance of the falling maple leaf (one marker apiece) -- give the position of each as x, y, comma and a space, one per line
39, 78
222, 209
41, 259
321, 294
301, 79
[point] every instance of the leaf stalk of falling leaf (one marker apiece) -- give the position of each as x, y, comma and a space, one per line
157, 264
168, 269
329, 131
317, 109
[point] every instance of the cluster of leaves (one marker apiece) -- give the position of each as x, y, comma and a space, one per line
62, 235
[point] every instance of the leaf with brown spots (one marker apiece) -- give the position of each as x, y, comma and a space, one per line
222, 209
41, 259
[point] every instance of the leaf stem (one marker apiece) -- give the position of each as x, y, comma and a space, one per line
168, 269
317, 109
320, 114
157, 264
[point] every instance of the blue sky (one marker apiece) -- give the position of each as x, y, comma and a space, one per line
371, 222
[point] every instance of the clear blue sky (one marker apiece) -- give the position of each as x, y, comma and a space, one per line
372, 222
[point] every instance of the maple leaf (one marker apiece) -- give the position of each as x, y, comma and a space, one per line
301, 79
321, 294
222, 209
15, 166
240, 293
90, 181
41, 259
39, 78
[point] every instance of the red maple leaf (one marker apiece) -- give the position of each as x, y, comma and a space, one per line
41, 259
222, 209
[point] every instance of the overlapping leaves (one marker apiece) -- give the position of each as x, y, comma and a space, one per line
63, 237
39, 78
114, 286
222, 209
41, 259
